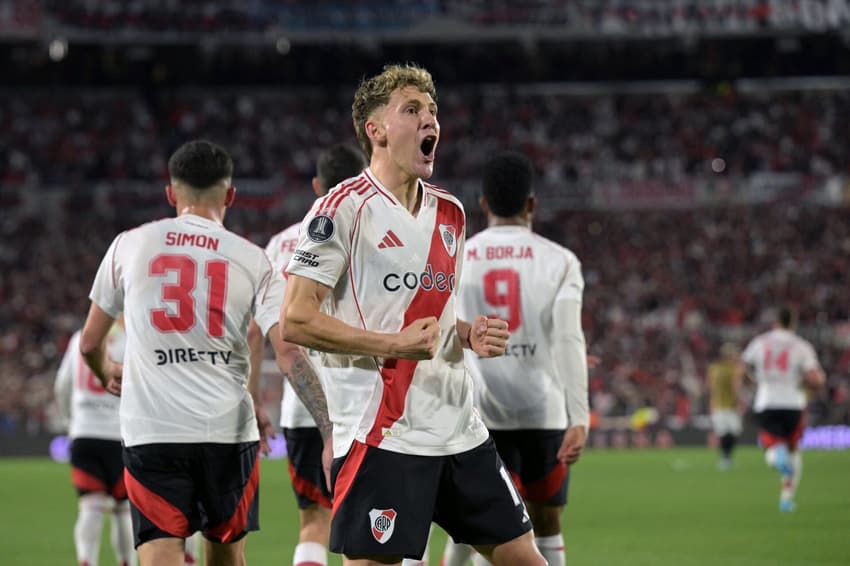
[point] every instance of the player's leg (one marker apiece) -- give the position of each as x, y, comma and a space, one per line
90, 477
161, 552
547, 531
479, 504
456, 554
545, 483
160, 483
121, 533
304, 451
312, 547
192, 550
121, 526
225, 554
383, 504
87, 528
795, 424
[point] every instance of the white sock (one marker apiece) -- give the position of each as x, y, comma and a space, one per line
789, 485
88, 527
121, 528
552, 549
192, 550
478, 560
456, 554
310, 554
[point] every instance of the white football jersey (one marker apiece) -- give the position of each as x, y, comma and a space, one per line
518, 276
188, 288
387, 268
780, 359
293, 413
92, 412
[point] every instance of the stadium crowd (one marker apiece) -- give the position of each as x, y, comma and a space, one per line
664, 288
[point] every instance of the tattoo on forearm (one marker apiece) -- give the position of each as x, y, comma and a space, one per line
305, 382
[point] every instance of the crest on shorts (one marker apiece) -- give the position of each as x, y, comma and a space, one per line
321, 228
449, 238
382, 522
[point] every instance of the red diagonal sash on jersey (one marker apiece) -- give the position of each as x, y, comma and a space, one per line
398, 374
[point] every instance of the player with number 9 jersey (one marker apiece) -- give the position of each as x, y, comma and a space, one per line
519, 276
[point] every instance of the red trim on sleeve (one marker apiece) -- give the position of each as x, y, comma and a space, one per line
346, 475
235, 526
160, 512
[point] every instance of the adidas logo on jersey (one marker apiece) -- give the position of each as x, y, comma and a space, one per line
390, 240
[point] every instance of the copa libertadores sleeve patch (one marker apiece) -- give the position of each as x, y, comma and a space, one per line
321, 228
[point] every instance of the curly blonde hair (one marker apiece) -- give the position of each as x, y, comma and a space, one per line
375, 92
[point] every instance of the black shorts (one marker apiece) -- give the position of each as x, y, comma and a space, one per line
177, 489
97, 466
384, 502
304, 452
531, 457
781, 426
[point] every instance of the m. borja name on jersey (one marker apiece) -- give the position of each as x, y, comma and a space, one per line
426, 280
187, 355
502, 252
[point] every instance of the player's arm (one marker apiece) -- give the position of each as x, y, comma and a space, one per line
63, 386
302, 322
93, 349
256, 349
302, 375
815, 378
487, 337
570, 351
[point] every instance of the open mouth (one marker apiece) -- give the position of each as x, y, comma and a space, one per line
427, 146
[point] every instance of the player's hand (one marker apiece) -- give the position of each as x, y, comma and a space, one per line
112, 373
593, 361
572, 445
327, 460
264, 423
489, 336
418, 341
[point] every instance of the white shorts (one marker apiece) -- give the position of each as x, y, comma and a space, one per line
726, 421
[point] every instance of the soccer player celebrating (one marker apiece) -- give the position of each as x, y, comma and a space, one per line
385, 249
187, 288
534, 399
781, 362
96, 467
303, 440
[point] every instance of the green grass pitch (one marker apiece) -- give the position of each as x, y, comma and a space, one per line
635, 508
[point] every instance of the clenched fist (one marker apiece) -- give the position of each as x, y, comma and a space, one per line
488, 337
418, 341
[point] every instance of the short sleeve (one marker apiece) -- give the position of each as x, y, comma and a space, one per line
810, 358
324, 244
107, 292
269, 298
750, 355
